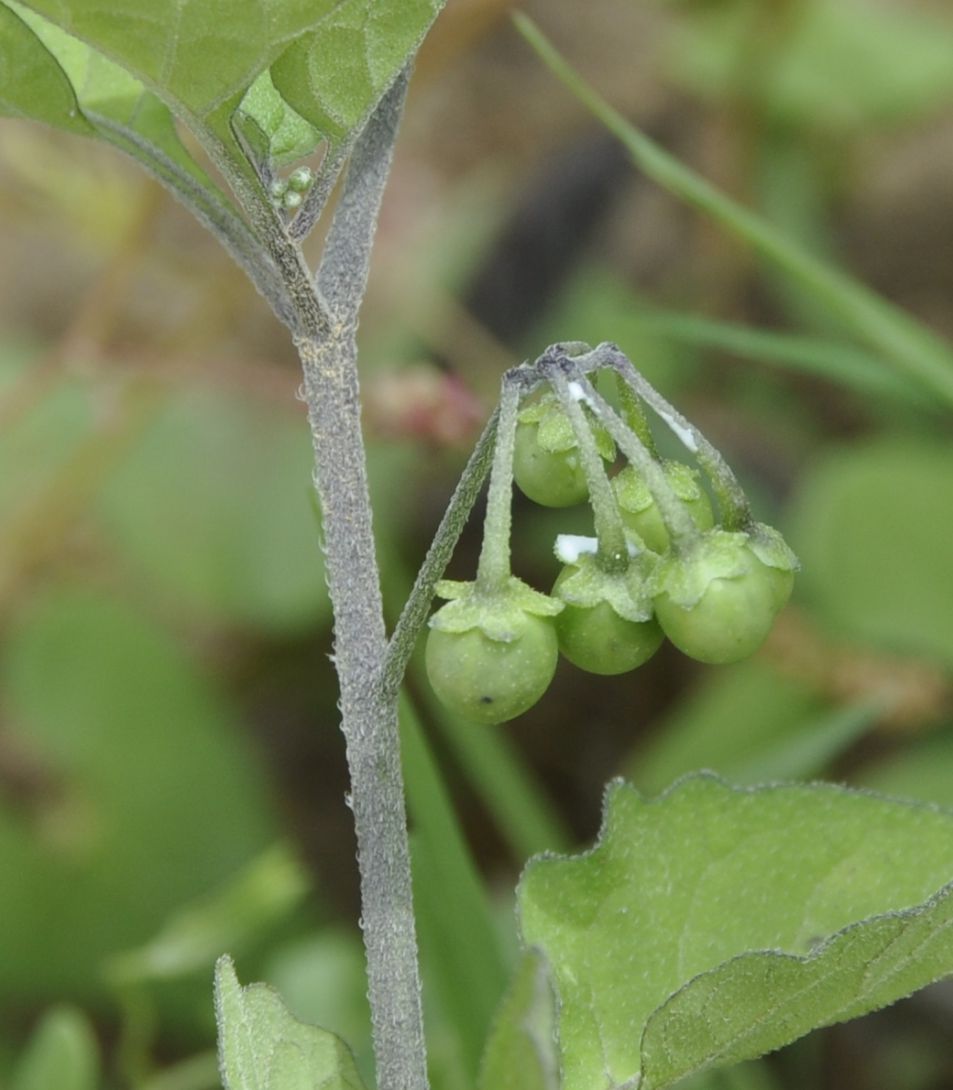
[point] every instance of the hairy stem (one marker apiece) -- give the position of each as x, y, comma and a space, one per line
414, 613
327, 346
613, 551
368, 720
493, 569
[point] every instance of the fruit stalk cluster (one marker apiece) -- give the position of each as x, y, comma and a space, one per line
661, 563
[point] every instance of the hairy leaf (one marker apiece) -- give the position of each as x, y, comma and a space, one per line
271, 127
112, 102
32, 84
714, 924
335, 75
263, 1047
197, 54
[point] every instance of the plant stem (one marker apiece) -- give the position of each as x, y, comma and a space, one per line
493, 569
735, 509
415, 610
327, 345
677, 520
369, 721
613, 554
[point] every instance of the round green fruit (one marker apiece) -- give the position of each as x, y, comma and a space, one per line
597, 639
733, 616
490, 681
551, 478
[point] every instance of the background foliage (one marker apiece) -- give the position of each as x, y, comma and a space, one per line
171, 778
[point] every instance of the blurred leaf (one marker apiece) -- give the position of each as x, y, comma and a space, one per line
149, 794
335, 75
32, 84
262, 1047
261, 894
715, 924
871, 524
520, 1052
61, 1055
923, 770
731, 719
214, 508
828, 65
596, 300
912, 348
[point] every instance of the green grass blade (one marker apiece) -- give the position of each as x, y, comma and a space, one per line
835, 361
459, 940
913, 350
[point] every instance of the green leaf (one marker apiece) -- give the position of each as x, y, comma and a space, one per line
195, 55
262, 1047
714, 924
335, 75
520, 1051
108, 96
911, 348
836, 66
272, 128
749, 723
61, 1055
155, 796
869, 522
261, 894
104, 100
32, 84
238, 476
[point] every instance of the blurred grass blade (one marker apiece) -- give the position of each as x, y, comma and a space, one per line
841, 363
458, 938
913, 349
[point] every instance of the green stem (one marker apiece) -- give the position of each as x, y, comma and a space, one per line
493, 570
732, 501
613, 553
679, 524
415, 610
634, 414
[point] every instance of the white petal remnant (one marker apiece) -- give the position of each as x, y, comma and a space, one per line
569, 547
577, 393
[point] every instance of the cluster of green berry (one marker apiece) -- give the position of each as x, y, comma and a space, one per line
289, 193
659, 566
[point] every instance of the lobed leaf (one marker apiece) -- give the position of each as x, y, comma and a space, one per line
263, 1047
714, 924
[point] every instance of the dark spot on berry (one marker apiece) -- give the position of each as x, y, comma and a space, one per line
486, 699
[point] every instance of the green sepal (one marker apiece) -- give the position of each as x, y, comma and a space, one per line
718, 554
554, 431
633, 494
771, 549
628, 593
496, 613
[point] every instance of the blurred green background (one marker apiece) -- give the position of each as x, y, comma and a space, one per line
172, 780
